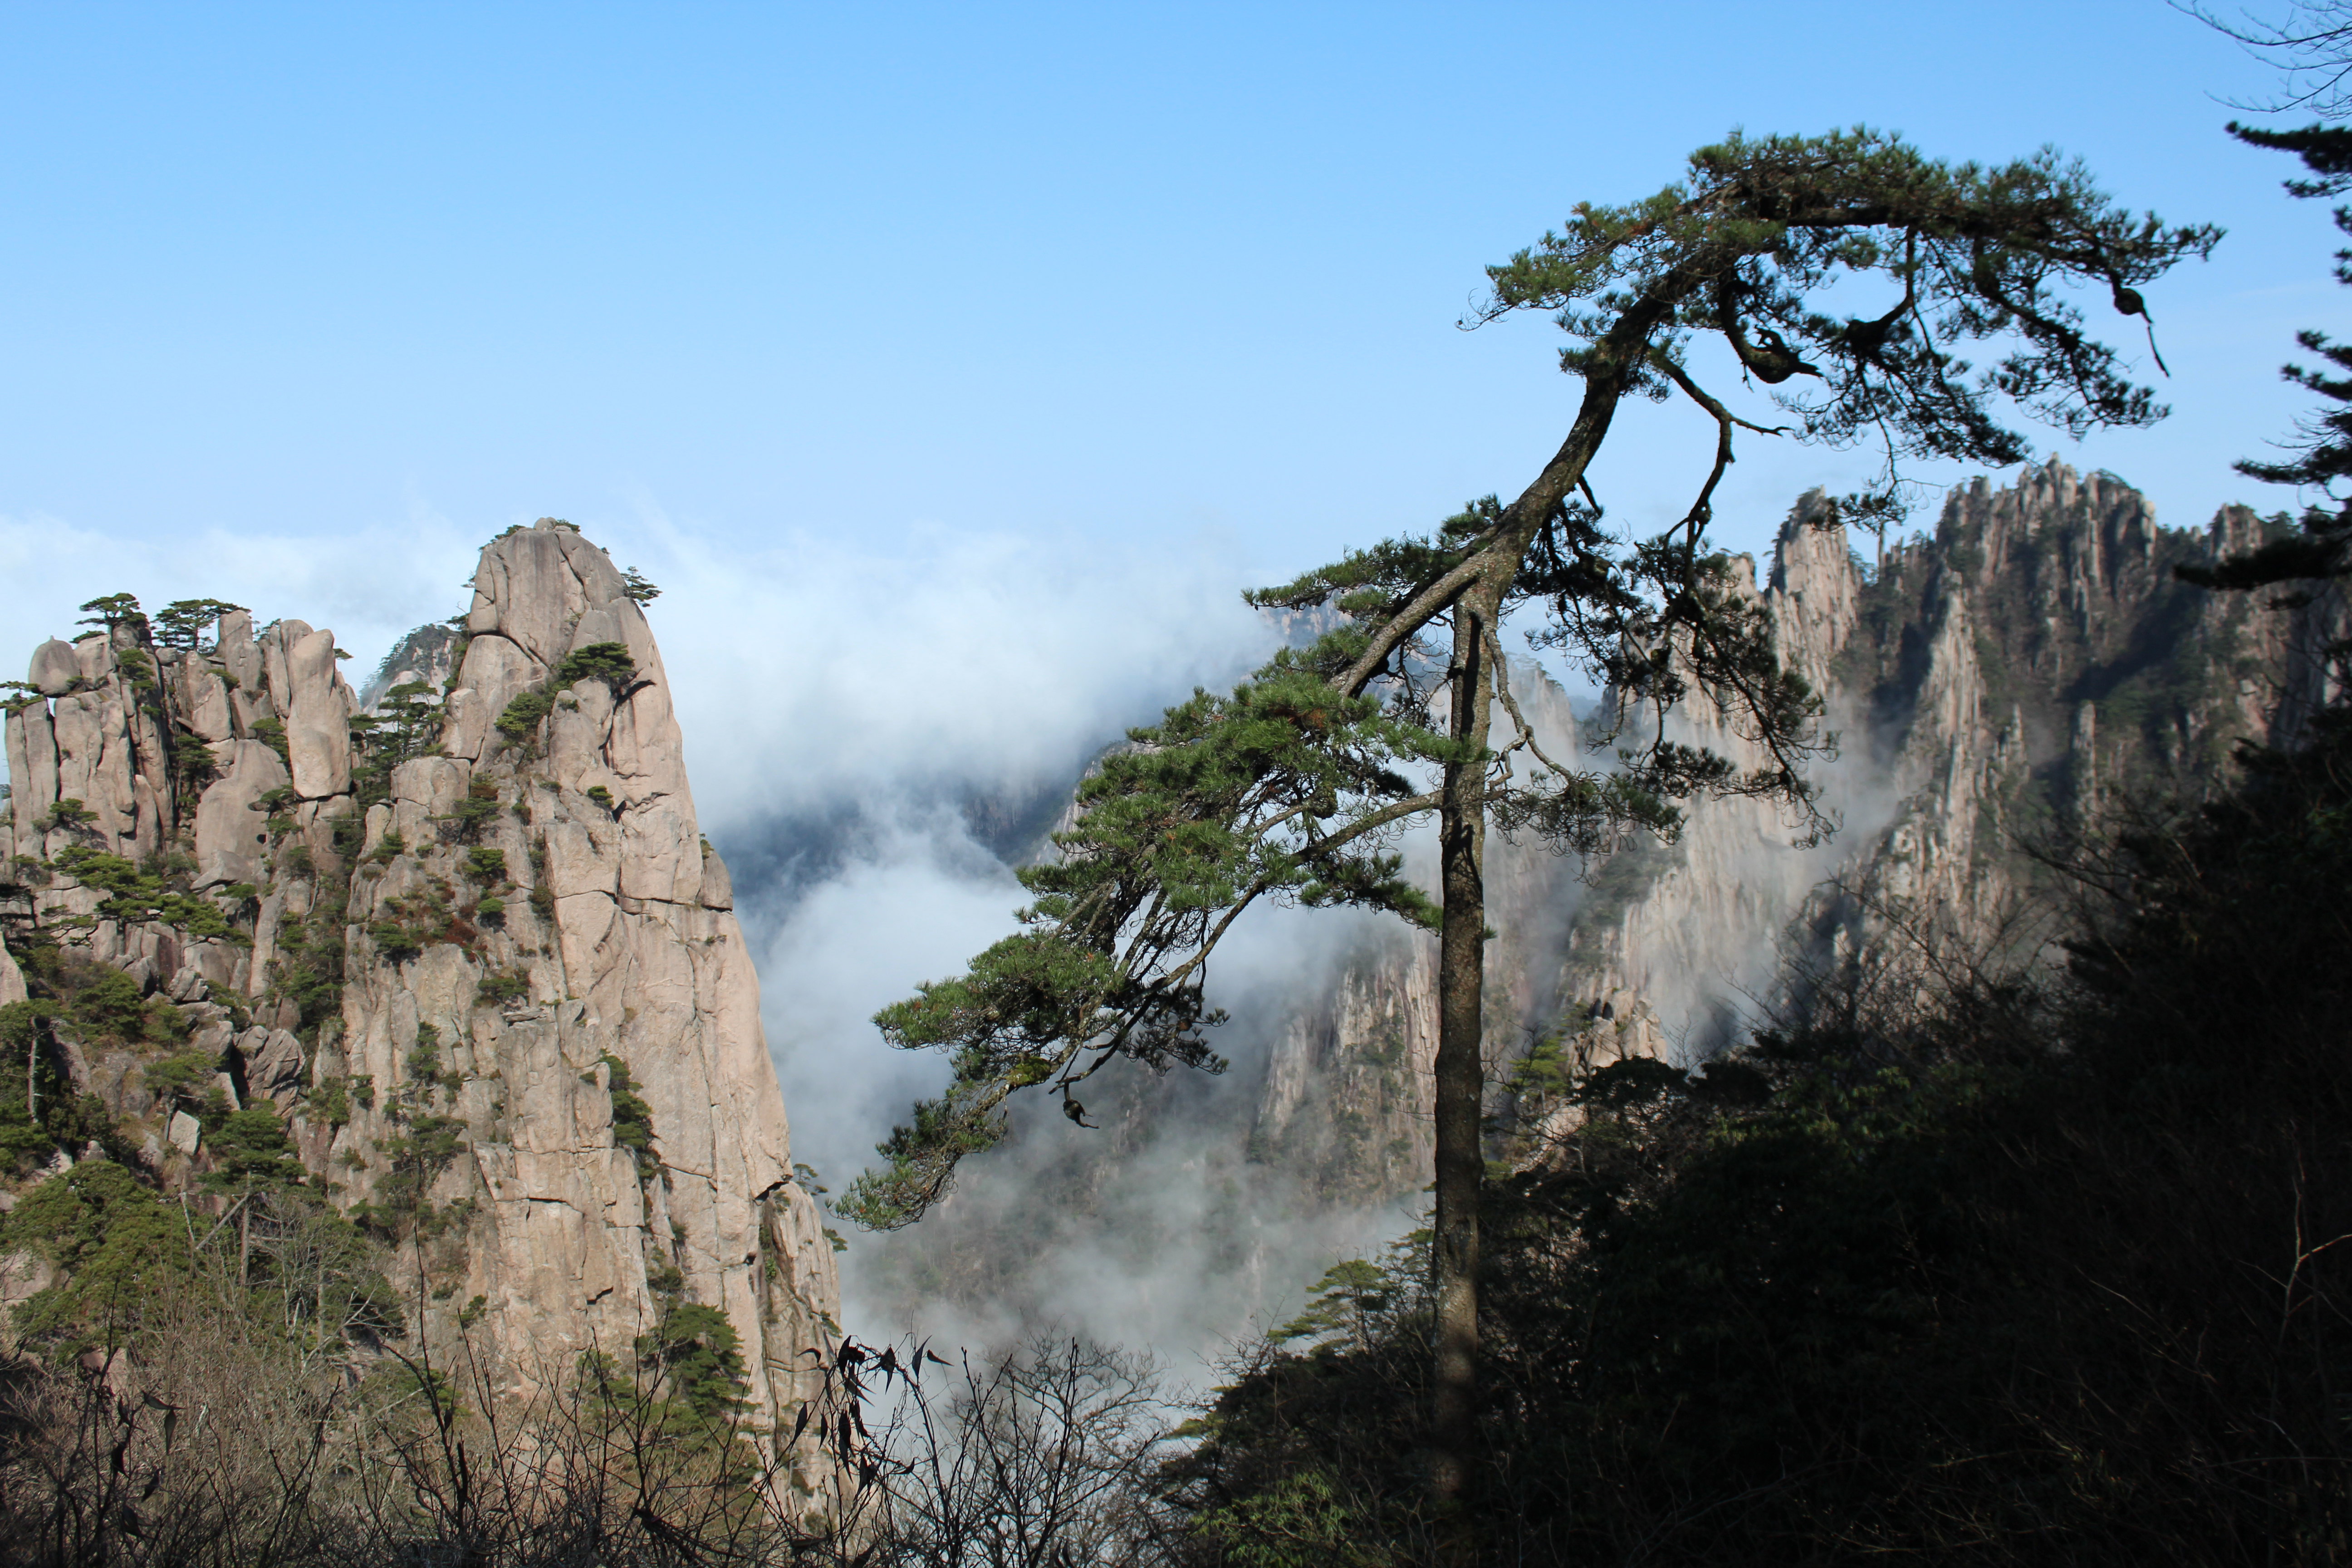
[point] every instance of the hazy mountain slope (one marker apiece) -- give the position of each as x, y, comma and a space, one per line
2007, 677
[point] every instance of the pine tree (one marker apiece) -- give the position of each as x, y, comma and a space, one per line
182, 623
1294, 785
2320, 458
2312, 46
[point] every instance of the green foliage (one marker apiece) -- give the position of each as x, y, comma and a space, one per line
1228, 799
496, 989
106, 1005
321, 1274
1301, 1521
638, 589
920, 1156
40, 1112
20, 1022
250, 1148
271, 732
138, 671
407, 925
310, 971
330, 1100
406, 725
192, 763
66, 815
477, 810
415, 1155
607, 661
1760, 226
111, 1004
182, 1079
523, 714
2320, 458
1547, 1069
633, 1119
603, 797
486, 866
411, 720
129, 1262
698, 1354
118, 1246
182, 623
395, 940
134, 895
1346, 1303
425, 1056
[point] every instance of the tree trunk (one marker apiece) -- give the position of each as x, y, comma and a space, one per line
1461, 1076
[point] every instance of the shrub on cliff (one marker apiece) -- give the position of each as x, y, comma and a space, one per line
117, 1249
40, 1114
250, 1148
521, 717
609, 662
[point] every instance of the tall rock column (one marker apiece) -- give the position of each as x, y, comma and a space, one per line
595, 937
485, 968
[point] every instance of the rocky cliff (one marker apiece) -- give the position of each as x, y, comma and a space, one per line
470, 944
2029, 669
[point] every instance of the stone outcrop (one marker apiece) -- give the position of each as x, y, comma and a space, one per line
2029, 669
474, 928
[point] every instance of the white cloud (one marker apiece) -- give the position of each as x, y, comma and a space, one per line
818, 672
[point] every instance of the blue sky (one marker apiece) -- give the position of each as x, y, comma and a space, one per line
307, 300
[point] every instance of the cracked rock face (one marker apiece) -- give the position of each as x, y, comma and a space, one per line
516, 916
2012, 672
232, 843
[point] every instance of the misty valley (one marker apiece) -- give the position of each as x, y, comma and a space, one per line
1571, 1043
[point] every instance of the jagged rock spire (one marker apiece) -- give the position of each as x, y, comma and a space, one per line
482, 936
